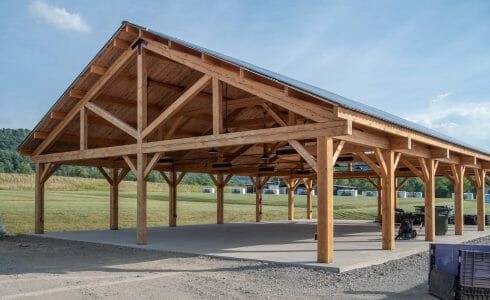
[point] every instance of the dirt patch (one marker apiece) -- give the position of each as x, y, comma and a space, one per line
33, 267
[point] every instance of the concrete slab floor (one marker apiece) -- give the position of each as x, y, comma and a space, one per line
357, 243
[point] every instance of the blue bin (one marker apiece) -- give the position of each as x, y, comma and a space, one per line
487, 198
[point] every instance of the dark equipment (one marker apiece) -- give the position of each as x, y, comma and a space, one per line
406, 231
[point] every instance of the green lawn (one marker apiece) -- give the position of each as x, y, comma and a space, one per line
80, 210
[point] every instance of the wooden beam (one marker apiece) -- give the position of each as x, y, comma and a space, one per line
269, 93
480, 200
98, 70
141, 158
172, 199
39, 200
152, 163
291, 184
439, 153
178, 104
114, 198
468, 160
95, 90
381, 161
112, 119
130, 163
374, 166
414, 170
269, 135
386, 127
217, 106
338, 150
309, 198
325, 199
294, 143
106, 176
388, 206
366, 139
458, 176
400, 185
83, 129
401, 143
220, 198
121, 44
429, 219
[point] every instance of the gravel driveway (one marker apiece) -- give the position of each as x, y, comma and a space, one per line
33, 267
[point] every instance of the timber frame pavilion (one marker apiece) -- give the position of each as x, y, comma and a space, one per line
148, 102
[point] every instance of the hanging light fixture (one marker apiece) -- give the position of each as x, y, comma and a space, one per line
213, 151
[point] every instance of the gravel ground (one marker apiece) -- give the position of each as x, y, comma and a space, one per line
33, 267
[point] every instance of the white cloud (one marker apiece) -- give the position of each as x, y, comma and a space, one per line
468, 121
59, 17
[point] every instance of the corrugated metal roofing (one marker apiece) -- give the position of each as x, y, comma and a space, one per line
332, 97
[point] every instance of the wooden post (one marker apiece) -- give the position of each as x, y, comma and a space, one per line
388, 207
39, 199
429, 219
290, 186
309, 198
141, 158
220, 197
480, 200
325, 199
172, 199
114, 199
458, 199
258, 201
381, 183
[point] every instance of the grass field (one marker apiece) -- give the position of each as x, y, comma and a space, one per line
80, 204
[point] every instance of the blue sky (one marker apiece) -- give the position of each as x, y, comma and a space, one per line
428, 61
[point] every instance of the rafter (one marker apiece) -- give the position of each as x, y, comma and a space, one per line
181, 101
112, 119
261, 90
116, 67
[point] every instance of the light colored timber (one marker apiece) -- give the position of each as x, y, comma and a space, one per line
111, 119
152, 163
98, 70
294, 143
429, 184
177, 104
388, 202
401, 143
121, 44
325, 199
114, 198
369, 121
39, 200
309, 195
109, 179
217, 106
480, 199
261, 90
91, 94
83, 129
141, 158
458, 182
338, 150
268, 135
130, 163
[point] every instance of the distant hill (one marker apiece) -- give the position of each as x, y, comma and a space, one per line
10, 160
